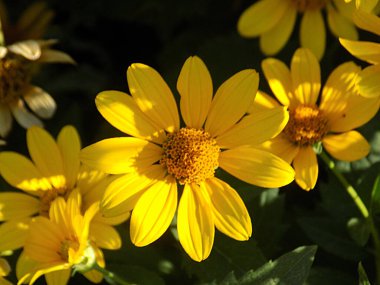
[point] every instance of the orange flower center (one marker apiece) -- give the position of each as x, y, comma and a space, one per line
190, 155
68, 248
14, 78
48, 197
307, 125
303, 5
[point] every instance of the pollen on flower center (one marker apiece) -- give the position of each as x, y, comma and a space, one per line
68, 245
48, 197
303, 5
14, 78
190, 155
307, 125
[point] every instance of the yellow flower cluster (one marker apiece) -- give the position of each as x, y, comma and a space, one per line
167, 165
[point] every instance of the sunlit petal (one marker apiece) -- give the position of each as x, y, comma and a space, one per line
306, 167
313, 32
15, 205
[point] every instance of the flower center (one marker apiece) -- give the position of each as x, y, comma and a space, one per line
190, 155
48, 197
303, 5
307, 125
68, 247
14, 78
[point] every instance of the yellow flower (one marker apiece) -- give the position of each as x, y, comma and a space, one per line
60, 243
31, 24
330, 122
368, 82
274, 20
17, 63
54, 171
159, 153
4, 271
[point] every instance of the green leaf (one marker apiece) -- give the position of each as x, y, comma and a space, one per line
375, 198
359, 230
363, 279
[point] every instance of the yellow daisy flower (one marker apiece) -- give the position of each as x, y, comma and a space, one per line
4, 271
158, 154
368, 81
331, 121
17, 63
54, 171
31, 24
274, 21
60, 243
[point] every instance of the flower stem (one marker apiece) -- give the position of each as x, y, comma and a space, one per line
361, 206
110, 276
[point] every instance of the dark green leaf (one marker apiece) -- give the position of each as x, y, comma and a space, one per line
358, 230
363, 279
375, 198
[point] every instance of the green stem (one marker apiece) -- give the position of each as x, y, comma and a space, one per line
108, 275
361, 206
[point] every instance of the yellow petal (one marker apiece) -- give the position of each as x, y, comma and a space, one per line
367, 21
273, 40
340, 25
343, 107
122, 194
367, 51
69, 144
256, 167
280, 81
153, 96
368, 82
17, 205
348, 146
121, 111
154, 212
24, 266
105, 236
306, 167
5, 268
232, 100
13, 234
195, 87
21, 173
195, 223
313, 32
255, 129
47, 268
40, 102
306, 75
46, 155
262, 102
230, 214
55, 56
282, 147
58, 277
120, 155
260, 17
29, 49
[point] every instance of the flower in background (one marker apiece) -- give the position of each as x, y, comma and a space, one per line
59, 243
4, 271
17, 65
159, 154
31, 25
368, 83
330, 122
274, 21
366, 5
54, 171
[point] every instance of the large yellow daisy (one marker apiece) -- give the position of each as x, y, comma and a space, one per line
368, 82
274, 20
329, 119
17, 65
54, 171
159, 154
59, 243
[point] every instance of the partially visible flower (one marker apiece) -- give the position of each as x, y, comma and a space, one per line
31, 25
329, 120
17, 65
4, 271
54, 171
366, 5
274, 21
159, 155
368, 82
60, 243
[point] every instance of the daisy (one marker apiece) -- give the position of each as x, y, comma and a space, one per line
17, 65
329, 119
59, 243
274, 21
54, 171
159, 155
368, 82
